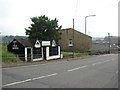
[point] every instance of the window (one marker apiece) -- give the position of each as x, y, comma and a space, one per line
53, 51
70, 42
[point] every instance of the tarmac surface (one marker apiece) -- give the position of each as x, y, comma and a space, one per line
89, 72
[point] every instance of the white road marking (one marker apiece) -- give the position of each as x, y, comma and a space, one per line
29, 80
105, 55
116, 72
77, 68
106, 61
96, 63
113, 60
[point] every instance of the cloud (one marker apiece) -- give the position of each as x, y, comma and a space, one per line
15, 14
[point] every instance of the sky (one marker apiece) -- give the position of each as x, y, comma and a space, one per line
15, 15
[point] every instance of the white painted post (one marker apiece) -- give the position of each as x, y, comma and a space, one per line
42, 53
59, 50
26, 54
47, 52
31, 54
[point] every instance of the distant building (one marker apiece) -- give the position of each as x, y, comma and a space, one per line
72, 40
113, 39
105, 46
100, 47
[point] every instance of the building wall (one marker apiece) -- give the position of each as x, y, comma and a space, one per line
81, 42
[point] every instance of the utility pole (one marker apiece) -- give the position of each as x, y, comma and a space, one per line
73, 37
0, 38
109, 42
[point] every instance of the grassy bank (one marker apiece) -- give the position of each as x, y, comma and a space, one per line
76, 54
8, 57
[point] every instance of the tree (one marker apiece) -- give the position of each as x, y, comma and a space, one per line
44, 28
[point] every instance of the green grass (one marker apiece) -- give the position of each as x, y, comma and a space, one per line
8, 57
76, 54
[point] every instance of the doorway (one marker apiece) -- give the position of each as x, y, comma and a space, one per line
44, 53
28, 54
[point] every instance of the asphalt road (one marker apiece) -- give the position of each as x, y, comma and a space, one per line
94, 72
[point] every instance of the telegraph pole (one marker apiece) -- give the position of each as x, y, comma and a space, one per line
73, 37
109, 42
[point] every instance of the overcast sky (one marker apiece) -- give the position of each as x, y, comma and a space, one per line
15, 15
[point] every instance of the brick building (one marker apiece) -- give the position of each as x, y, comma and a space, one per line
72, 40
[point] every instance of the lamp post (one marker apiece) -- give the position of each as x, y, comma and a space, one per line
86, 21
86, 28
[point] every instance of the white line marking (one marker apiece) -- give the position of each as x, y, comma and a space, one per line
29, 80
96, 63
105, 55
116, 72
113, 60
77, 68
106, 61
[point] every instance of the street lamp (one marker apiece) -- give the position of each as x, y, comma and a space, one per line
86, 20
86, 28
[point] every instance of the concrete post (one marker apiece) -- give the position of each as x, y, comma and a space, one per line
26, 54
31, 54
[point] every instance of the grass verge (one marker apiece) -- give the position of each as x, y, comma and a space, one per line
76, 54
8, 57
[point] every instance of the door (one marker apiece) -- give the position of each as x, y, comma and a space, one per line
37, 53
44, 53
28, 54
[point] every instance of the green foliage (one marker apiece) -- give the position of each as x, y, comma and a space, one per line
43, 28
76, 54
8, 57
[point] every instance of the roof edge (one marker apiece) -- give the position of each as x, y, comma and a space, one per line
76, 31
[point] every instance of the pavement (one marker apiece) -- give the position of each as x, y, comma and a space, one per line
92, 72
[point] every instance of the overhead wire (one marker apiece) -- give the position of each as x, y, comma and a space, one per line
76, 9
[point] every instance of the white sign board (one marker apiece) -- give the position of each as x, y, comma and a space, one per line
37, 44
15, 45
53, 43
45, 43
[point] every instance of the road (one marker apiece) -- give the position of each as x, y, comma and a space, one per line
94, 72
